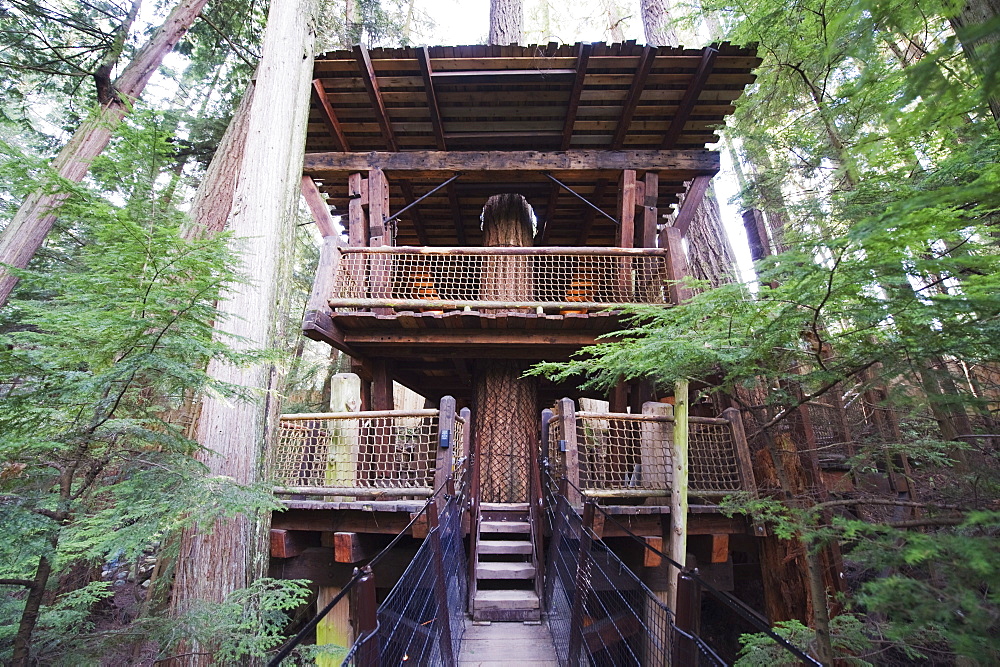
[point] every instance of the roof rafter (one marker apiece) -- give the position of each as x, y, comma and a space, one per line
690, 98
634, 93
329, 117
371, 84
424, 58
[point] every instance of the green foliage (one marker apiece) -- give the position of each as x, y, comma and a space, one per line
99, 356
847, 634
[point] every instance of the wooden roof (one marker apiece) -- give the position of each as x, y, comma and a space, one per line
511, 98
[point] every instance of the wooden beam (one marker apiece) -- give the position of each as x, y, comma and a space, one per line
381, 384
423, 57
692, 200
316, 564
687, 103
720, 548
371, 83
319, 207
632, 98
651, 558
447, 162
550, 208
289, 543
413, 213
650, 212
357, 220
462, 339
329, 116
355, 547
582, 60
677, 266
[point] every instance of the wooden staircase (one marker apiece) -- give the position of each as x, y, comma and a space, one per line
505, 587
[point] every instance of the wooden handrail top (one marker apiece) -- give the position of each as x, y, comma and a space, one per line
649, 418
319, 416
498, 251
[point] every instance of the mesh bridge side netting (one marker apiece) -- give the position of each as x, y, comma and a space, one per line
384, 452
594, 278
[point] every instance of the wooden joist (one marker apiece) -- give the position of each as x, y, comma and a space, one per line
697, 162
329, 116
351, 547
371, 84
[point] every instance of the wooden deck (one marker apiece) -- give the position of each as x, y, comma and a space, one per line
499, 644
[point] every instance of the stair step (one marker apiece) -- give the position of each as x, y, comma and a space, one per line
505, 571
504, 547
505, 527
504, 507
505, 600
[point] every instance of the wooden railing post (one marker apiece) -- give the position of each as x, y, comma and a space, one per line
743, 460
476, 459
366, 620
686, 618
440, 587
537, 507
677, 544
571, 451
446, 434
580, 590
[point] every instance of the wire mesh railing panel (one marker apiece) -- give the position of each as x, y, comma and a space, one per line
713, 468
624, 454
458, 277
352, 450
619, 621
828, 428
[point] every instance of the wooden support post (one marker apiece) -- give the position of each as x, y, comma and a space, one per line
335, 628
567, 413
357, 221
382, 384
547, 416
365, 619
677, 544
581, 590
656, 447
626, 209
446, 434
618, 397
318, 206
356, 547
687, 618
677, 266
440, 587
692, 200
380, 234
317, 318
466, 415
650, 212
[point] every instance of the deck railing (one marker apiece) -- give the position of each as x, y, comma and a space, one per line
629, 455
368, 454
553, 278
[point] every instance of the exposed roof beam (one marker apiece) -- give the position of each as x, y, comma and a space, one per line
574, 97
695, 161
690, 98
693, 198
371, 83
329, 117
424, 58
634, 93
414, 214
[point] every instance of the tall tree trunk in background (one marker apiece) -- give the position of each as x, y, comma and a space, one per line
710, 254
234, 433
615, 17
982, 52
25, 234
505, 402
506, 22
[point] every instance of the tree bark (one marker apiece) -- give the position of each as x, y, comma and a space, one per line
980, 51
25, 234
29, 617
655, 25
506, 22
234, 433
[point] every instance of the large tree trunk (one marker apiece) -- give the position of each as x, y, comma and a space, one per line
234, 434
982, 51
22, 238
506, 22
505, 402
710, 254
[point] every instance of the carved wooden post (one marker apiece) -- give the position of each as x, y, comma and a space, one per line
677, 545
366, 620
567, 413
446, 434
440, 587
581, 592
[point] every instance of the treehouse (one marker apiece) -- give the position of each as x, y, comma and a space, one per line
485, 208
